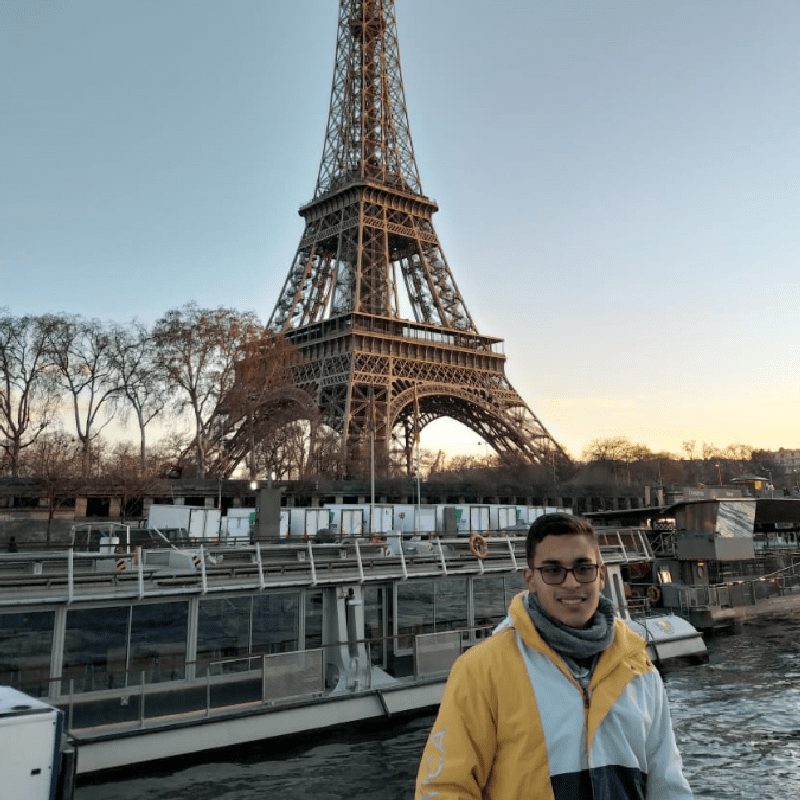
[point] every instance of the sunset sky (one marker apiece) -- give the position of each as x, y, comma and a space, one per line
619, 185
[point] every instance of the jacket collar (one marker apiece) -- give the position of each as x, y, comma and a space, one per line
626, 646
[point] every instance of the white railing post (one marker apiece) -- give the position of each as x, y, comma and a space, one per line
358, 559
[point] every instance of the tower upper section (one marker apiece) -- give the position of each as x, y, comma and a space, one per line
369, 246
367, 137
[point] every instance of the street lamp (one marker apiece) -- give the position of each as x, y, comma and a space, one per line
719, 472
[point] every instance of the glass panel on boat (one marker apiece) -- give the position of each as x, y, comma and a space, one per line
223, 632
313, 619
450, 605
436, 652
514, 584
276, 620
489, 599
95, 648
414, 611
375, 623
430, 606
158, 642
289, 675
25, 643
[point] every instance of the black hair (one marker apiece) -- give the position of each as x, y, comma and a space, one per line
557, 524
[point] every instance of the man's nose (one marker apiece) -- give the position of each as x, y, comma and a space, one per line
570, 578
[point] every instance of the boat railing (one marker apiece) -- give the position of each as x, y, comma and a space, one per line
70, 575
208, 687
732, 593
104, 536
624, 544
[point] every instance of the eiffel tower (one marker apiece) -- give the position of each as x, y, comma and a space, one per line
368, 255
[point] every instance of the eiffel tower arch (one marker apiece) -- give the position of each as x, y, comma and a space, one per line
369, 255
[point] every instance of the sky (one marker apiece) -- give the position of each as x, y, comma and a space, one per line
619, 185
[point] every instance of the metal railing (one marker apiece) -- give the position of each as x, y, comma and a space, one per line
746, 592
263, 680
69, 576
624, 545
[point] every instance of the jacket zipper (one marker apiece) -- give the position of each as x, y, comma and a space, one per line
587, 699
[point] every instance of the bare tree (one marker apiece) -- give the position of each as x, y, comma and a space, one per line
54, 459
688, 447
141, 382
28, 394
285, 452
620, 453
169, 453
197, 349
81, 350
263, 415
326, 457
616, 448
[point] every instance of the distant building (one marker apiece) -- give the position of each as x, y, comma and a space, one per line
788, 460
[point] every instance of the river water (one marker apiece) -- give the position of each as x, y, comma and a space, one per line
737, 721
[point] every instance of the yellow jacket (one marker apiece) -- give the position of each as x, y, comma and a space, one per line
514, 723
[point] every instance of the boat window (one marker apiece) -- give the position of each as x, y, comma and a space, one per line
375, 622
430, 607
95, 648
25, 643
158, 642
514, 584
223, 632
313, 619
415, 601
450, 605
276, 620
489, 600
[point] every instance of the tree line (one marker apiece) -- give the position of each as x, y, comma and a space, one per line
617, 461
221, 376
65, 378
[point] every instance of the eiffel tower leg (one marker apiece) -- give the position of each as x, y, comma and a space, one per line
365, 410
408, 435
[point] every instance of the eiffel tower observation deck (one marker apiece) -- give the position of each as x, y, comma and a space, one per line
369, 255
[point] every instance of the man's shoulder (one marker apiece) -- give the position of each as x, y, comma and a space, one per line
630, 647
491, 650
489, 664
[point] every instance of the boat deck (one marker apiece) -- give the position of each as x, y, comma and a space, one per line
69, 576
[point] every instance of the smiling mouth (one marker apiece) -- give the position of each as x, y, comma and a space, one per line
572, 601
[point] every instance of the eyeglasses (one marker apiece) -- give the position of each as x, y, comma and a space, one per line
555, 576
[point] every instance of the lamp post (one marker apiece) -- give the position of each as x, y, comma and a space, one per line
372, 478
219, 506
418, 524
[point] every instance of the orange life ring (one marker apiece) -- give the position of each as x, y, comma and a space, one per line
653, 593
478, 546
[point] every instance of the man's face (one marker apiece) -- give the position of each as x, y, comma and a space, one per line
571, 603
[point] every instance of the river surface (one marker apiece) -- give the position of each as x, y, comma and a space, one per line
737, 721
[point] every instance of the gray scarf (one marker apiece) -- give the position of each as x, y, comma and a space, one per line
575, 644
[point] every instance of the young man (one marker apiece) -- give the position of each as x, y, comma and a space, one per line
562, 702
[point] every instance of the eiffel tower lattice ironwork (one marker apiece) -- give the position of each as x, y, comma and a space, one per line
369, 241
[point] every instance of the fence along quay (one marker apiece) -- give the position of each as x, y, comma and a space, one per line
157, 653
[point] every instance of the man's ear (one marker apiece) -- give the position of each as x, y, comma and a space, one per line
527, 575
